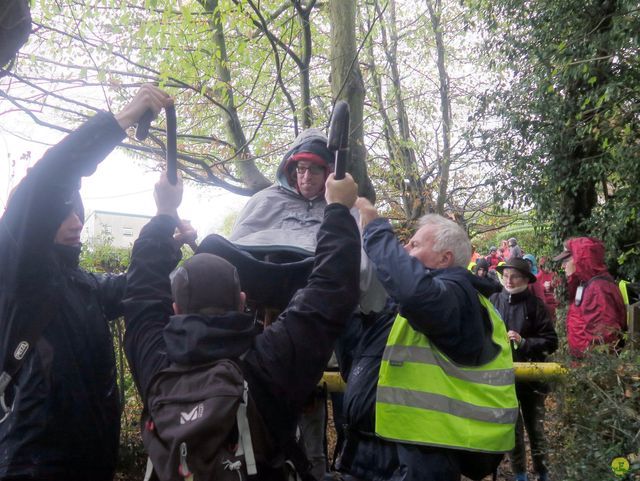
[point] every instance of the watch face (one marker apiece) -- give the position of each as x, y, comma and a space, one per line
579, 292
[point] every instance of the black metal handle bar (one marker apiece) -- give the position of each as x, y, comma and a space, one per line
338, 140
142, 132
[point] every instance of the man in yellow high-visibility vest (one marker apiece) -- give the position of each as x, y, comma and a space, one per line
430, 394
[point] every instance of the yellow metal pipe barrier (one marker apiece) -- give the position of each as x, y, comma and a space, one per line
525, 371
334, 381
539, 371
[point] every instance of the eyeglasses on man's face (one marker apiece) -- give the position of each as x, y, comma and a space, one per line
312, 169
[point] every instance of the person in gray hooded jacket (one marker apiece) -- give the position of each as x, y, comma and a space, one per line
288, 214
285, 218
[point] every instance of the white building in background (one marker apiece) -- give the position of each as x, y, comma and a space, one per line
118, 229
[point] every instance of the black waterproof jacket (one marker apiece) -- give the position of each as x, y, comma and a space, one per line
528, 316
282, 364
443, 304
65, 418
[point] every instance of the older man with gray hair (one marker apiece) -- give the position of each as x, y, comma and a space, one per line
431, 390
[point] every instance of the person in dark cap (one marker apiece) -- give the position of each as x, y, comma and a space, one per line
60, 412
482, 270
282, 364
533, 337
514, 249
597, 314
482, 267
493, 258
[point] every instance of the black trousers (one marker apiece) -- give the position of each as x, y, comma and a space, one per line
369, 458
531, 417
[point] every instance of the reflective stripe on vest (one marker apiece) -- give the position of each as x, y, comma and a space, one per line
622, 285
624, 291
425, 398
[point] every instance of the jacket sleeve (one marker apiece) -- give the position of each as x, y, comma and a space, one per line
111, 288
147, 300
424, 299
291, 354
42, 200
543, 339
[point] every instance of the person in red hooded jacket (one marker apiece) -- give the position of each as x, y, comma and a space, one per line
597, 314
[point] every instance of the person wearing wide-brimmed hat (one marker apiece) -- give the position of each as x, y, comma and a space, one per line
533, 337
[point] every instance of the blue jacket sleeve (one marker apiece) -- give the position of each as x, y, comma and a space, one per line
442, 303
426, 297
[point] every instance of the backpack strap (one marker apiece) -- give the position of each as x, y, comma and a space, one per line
583, 287
603, 277
245, 446
149, 470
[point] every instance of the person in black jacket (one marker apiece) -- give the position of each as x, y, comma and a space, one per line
533, 337
282, 364
60, 416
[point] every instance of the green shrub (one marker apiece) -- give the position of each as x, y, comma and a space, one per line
596, 414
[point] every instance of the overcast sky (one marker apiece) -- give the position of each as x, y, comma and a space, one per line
120, 184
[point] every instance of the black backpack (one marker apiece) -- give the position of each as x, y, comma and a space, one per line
196, 424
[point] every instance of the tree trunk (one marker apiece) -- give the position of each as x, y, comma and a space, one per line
435, 15
402, 156
248, 172
305, 62
347, 85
